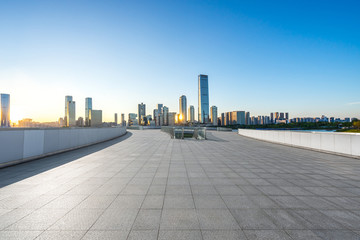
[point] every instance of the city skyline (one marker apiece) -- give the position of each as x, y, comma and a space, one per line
259, 56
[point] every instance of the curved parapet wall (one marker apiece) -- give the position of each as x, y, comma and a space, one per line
20, 145
333, 142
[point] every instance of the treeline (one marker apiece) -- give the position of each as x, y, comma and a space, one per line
299, 126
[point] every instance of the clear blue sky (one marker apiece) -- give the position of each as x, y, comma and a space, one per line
301, 57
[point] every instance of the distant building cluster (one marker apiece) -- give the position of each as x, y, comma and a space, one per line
244, 118
5, 110
323, 118
161, 116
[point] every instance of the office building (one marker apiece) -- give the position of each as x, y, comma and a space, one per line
214, 115
141, 113
282, 116
96, 117
159, 118
272, 117
191, 114
287, 116
165, 115
223, 119
115, 119
80, 122
183, 108
132, 119
5, 110
70, 111
238, 117
203, 99
276, 117
123, 122
172, 118
247, 118
88, 108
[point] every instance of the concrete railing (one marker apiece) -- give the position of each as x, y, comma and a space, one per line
20, 145
333, 142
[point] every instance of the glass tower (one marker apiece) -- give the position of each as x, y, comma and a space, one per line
183, 107
88, 108
5, 110
203, 95
191, 113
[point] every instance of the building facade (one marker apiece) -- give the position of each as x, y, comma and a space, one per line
191, 114
183, 108
203, 99
96, 117
141, 113
214, 115
165, 120
88, 108
5, 110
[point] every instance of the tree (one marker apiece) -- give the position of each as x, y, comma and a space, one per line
356, 124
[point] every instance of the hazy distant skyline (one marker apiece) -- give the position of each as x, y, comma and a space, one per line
301, 57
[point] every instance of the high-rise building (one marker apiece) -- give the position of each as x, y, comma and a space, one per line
203, 98
223, 119
282, 116
123, 123
132, 119
214, 115
5, 110
115, 119
238, 117
191, 113
287, 116
172, 117
67, 99
141, 112
272, 117
165, 120
247, 118
70, 114
80, 122
96, 117
276, 116
159, 117
183, 108
88, 108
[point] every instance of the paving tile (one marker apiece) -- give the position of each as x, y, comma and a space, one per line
267, 234
211, 219
181, 201
303, 235
143, 235
253, 219
54, 235
16, 235
77, 219
176, 219
106, 235
147, 220
180, 235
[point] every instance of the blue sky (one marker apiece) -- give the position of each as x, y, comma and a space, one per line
301, 57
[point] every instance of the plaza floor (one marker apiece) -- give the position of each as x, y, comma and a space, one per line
145, 185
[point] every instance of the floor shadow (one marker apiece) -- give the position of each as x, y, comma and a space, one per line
12, 174
211, 137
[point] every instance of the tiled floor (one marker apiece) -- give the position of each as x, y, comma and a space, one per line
147, 186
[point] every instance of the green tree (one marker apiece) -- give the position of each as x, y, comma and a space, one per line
356, 124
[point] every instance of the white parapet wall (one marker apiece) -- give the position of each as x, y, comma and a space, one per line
333, 142
20, 145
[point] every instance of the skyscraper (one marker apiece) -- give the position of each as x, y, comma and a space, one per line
5, 110
272, 117
214, 115
141, 112
69, 111
238, 117
247, 118
70, 115
182, 108
88, 108
96, 117
123, 120
287, 116
159, 117
115, 119
191, 113
165, 111
203, 98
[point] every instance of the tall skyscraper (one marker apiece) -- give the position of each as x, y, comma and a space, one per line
182, 108
165, 111
282, 116
70, 115
247, 118
272, 117
287, 116
191, 113
5, 110
115, 118
96, 117
88, 108
276, 116
123, 120
69, 111
238, 117
141, 112
203, 98
159, 117
214, 115
223, 119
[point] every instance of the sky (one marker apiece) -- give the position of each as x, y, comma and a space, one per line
301, 57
